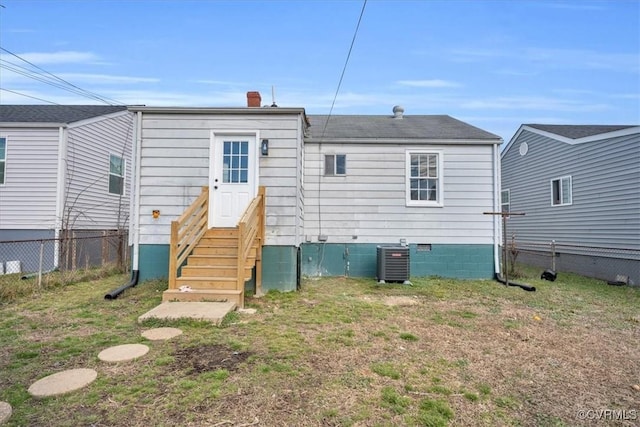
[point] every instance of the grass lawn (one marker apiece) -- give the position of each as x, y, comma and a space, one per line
340, 352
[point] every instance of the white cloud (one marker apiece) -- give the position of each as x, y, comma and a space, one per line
62, 57
434, 83
534, 103
106, 79
552, 58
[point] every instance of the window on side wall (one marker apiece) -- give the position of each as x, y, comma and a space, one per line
116, 174
3, 159
335, 164
505, 201
561, 189
424, 178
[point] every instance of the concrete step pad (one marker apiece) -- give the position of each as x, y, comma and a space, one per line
62, 382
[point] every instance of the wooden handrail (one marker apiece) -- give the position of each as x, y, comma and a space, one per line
251, 231
186, 231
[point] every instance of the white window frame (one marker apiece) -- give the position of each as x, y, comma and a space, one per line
439, 202
335, 164
124, 174
3, 161
508, 203
560, 188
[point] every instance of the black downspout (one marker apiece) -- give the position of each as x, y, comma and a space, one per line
134, 281
500, 279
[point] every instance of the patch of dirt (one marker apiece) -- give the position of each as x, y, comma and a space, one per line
206, 358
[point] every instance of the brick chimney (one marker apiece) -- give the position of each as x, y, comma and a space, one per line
253, 99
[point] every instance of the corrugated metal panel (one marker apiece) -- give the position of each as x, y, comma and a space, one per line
605, 212
369, 202
28, 197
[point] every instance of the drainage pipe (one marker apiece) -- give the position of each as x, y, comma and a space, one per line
134, 281
528, 288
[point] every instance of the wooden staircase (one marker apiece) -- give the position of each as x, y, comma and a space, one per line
215, 263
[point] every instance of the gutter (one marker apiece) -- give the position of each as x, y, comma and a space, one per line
134, 223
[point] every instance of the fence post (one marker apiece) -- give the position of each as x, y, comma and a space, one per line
553, 255
40, 263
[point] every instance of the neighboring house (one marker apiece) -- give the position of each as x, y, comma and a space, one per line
578, 185
334, 191
63, 168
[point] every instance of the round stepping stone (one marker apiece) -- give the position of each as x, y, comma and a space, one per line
5, 412
62, 382
122, 353
157, 334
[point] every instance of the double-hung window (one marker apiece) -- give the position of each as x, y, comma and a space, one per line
505, 201
335, 164
116, 174
3, 159
424, 178
561, 191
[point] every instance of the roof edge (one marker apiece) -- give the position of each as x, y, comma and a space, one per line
591, 138
406, 141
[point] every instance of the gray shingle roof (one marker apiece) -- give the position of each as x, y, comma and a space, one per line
579, 131
441, 127
54, 113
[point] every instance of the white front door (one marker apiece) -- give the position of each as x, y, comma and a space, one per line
233, 176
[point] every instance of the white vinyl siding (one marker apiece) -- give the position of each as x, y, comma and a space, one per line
369, 204
561, 191
3, 159
424, 178
174, 167
28, 196
505, 201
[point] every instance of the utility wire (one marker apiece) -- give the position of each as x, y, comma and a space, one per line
344, 69
76, 89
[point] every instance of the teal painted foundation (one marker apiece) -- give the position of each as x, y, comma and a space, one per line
360, 260
280, 263
153, 262
279, 266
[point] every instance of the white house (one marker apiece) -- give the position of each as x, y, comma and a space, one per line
62, 167
334, 191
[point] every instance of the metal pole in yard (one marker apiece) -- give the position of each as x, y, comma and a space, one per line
40, 263
504, 250
504, 215
553, 255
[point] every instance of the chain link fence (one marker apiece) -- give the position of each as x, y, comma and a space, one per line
610, 264
73, 251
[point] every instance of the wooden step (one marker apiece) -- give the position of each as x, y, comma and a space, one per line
213, 260
218, 241
222, 232
213, 249
231, 295
206, 282
212, 271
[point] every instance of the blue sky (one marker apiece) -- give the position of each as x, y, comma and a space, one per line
495, 64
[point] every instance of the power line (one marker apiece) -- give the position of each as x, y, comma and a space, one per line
28, 96
344, 69
47, 80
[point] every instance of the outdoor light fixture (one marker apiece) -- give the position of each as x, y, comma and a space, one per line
264, 147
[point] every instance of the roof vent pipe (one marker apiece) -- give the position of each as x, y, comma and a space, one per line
398, 111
